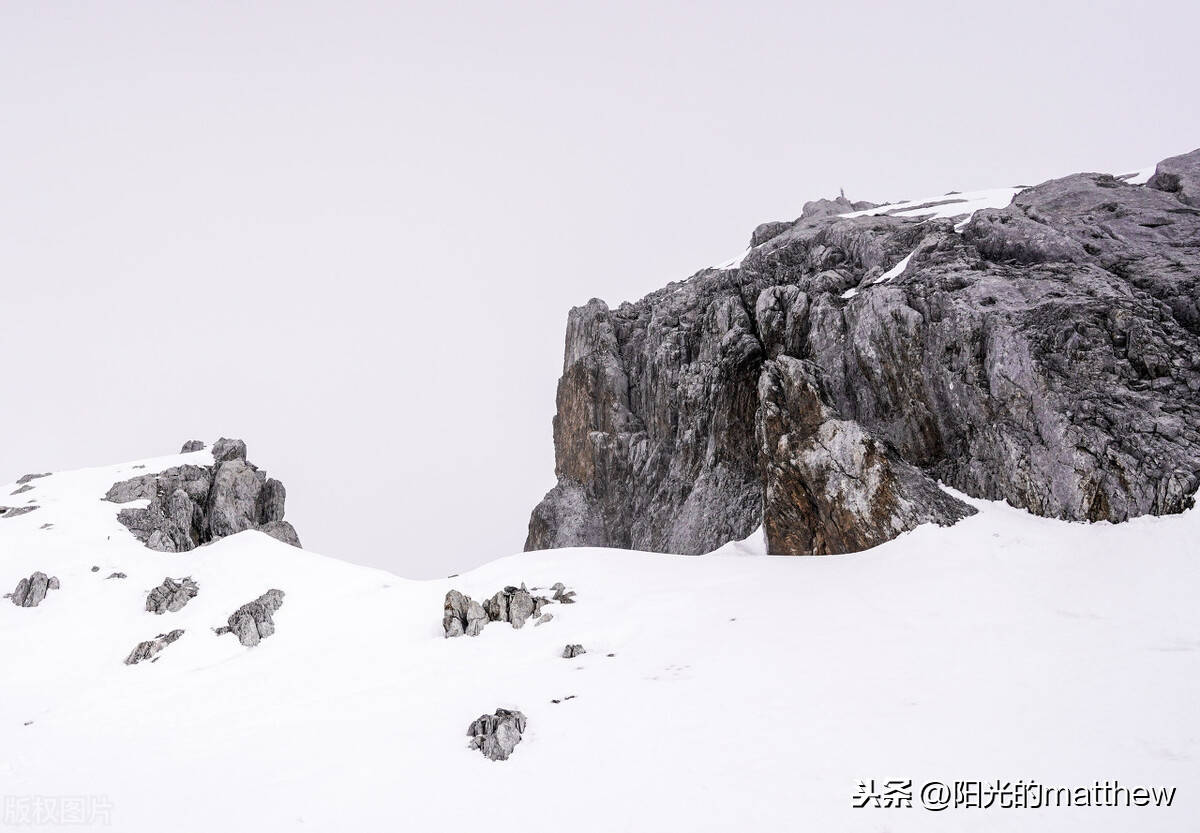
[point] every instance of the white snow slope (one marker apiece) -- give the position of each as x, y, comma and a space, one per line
743, 692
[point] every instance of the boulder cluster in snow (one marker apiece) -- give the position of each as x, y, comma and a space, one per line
171, 595
30, 592
192, 505
151, 647
496, 735
1046, 353
572, 651
252, 622
463, 616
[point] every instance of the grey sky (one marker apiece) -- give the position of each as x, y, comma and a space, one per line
350, 232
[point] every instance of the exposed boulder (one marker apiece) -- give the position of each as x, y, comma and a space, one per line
252, 622
20, 490
1046, 354
191, 505
226, 449
25, 478
30, 592
496, 735
281, 531
192, 445
115, 575
15, 511
1179, 175
151, 647
462, 616
171, 596
572, 651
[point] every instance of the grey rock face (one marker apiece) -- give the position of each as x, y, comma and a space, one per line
25, 478
1179, 175
15, 511
496, 735
281, 531
192, 505
20, 490
171, 596
572, 651
831, 487
1047, 354
115, 575
150, 648
192, 445
31, 592
462, 616
252, 622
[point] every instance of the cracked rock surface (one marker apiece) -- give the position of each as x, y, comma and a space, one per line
1046, 354
150, 648
171, 595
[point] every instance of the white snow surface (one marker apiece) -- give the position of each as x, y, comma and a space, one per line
944, 207
744, 691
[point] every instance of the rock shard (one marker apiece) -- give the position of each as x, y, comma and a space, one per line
150, 648
171, 595
252, 622
496, 735
31, 592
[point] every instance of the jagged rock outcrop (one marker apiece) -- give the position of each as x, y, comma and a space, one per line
572, 651
31, 592
171, 596
252, 622
1047, 354
192, 445
515, 605
151, 647
15, 511
462, 616
192, 505
26, 478
496, 735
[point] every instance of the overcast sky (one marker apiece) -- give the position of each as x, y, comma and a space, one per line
350, 232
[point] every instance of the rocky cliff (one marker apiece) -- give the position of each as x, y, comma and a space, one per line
1046, 353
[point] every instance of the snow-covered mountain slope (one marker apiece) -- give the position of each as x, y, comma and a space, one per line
726, 692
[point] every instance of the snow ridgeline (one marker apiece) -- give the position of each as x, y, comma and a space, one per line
712, 686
